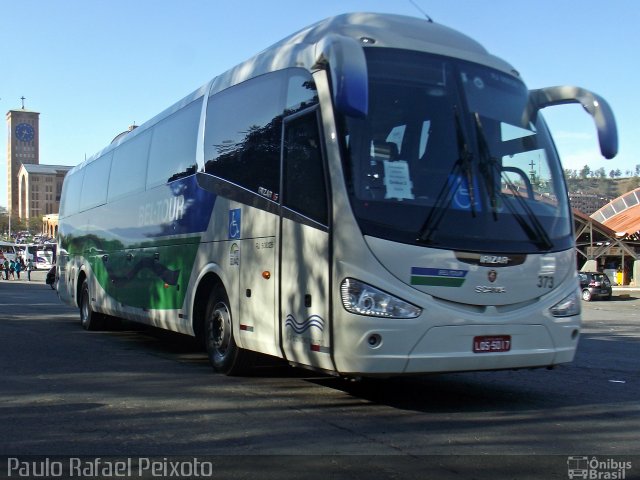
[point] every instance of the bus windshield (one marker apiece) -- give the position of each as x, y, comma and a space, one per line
448, 157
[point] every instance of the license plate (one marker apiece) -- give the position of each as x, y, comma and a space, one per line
491, 343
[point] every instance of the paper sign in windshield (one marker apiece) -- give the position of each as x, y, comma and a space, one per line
397, 181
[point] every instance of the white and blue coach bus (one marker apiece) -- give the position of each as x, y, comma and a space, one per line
373, 195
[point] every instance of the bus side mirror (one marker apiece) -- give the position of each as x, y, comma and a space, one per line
344, 57
595, 105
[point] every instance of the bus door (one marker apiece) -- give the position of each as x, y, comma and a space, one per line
252, 247
305, 327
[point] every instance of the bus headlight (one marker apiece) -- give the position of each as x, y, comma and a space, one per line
363, 299
567, 307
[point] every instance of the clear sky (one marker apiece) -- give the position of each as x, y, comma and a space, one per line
92, 68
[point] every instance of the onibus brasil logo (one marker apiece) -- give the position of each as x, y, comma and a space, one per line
597, 469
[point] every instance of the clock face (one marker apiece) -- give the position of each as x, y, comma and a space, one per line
24, 132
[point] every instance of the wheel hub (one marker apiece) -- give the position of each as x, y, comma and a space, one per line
220, 332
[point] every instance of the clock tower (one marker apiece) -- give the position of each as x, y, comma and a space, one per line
23, 147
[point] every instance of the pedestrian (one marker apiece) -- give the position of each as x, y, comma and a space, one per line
29, 268
6, 269
12, 269
18, 267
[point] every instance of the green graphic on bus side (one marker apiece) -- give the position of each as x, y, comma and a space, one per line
154, 277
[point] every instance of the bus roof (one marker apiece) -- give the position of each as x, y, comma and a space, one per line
301, 49
371, 30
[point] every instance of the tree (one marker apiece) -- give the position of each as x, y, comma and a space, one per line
585, 172
17, 224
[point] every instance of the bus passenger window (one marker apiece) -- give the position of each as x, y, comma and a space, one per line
71, 189
301, 91
304, 181
243, 133
94, 188
129, 166
173, 147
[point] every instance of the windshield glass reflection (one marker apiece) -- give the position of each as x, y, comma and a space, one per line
446, 158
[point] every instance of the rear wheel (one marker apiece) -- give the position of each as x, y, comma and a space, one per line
89, 319
225, 356
586, 295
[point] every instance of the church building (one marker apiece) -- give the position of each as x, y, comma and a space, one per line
33, 190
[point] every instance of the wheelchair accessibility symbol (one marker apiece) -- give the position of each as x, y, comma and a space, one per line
462, 196
235, 217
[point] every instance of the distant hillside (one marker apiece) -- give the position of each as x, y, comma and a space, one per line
605, 187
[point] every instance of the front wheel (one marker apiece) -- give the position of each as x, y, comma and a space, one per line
89, 319
225, 356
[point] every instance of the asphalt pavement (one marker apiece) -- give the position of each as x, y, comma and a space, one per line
135, 392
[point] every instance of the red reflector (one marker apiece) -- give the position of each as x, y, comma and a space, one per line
315, 348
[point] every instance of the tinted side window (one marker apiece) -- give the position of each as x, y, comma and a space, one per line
301, 91
304, 181
173, 146
94, 186
243, 133
71, 189
129, 166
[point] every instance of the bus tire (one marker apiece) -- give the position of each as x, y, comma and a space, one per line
89, 319
224, 354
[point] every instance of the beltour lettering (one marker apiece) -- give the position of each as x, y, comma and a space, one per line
162, 211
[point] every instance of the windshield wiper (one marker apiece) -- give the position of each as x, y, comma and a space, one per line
489, 165
466, 158
462, 165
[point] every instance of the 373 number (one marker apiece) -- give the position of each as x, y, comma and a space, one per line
545, 281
